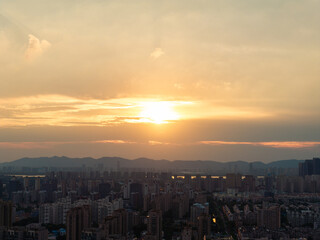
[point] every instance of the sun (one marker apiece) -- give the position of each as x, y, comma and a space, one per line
158, 112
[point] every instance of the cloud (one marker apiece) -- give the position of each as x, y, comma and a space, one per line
290, 144
114, 141
153, 143
284, 144
36, 47
157, 52
51, 144
26, 145
60, 110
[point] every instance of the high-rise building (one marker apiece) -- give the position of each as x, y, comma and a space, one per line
104, 189
6, 213
26, 183
269, 218
196, 210
268, 180
121, 217
154, 224
117, 224
1, 188
92, 234
37, 184
310, 167
186, 233
180, 206
249, 183
316, 166
35, 231
78, 219
204, 226
14, 185
233, 180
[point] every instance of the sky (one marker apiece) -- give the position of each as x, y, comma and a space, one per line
221, 80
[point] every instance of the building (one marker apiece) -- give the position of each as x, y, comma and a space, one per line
92, 234
154, 224
180, 206
55, 213
104, 189
117, 224
78, 219
37, 184
269, 218
204, 226
35, 231
1, 188
186, 233
233, 180
310, 167
32, 231
6, 209
249, 183
12, 233
196, 210
46, 213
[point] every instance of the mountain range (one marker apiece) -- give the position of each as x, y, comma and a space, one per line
151, 164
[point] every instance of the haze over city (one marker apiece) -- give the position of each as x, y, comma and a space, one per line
178, 80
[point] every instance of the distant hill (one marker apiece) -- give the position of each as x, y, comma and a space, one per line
145, 163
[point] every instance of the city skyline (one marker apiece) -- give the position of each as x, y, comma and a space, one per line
189, 80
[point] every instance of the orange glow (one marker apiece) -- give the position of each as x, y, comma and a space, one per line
158, 112
286, 144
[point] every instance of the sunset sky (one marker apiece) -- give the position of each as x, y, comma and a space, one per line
220, 80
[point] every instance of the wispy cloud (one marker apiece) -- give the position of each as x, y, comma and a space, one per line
284, 144
290, 144
159, 143
156, 53
60, 110
36, 47
26, 145
51, 144
114, 141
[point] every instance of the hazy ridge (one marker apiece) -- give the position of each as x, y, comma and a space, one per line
114, 162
